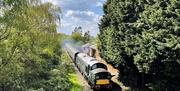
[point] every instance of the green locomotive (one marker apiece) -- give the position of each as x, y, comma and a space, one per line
93, 70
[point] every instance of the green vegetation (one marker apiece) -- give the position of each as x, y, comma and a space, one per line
80, 38
74, 80
142, 39
71, 73
30, 51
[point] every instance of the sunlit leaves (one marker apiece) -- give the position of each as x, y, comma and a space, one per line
30, 47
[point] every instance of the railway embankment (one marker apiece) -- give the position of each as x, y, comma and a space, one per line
79, 83
81, 80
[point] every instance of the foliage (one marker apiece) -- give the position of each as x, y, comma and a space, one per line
74, 80
79, 37
30, 54
141, 38
87, 36
72, 76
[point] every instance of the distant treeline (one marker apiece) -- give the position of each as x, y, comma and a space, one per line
81, 38
142, 39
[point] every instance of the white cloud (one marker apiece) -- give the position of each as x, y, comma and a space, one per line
78, 13
71, 20
84, 13
99, 4
69, 13
55, 2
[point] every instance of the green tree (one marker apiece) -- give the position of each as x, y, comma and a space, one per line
87, 36
77, 35
141, 38
30, 52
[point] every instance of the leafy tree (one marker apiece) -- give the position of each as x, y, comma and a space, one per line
78, 36
87, 36
30, 52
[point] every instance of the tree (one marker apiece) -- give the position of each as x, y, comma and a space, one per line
78, 29
87, 36
30, 51
141, 38
78, 36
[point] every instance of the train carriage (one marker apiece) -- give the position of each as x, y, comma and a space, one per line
71, 51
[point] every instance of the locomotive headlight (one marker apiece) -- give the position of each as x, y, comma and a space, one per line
97, 77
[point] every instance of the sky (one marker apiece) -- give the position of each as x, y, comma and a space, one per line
84, 13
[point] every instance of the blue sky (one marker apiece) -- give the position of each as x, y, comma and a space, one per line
84, 13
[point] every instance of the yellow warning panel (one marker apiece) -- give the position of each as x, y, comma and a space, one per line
102, 81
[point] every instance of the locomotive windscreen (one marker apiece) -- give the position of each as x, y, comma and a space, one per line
103, 75
98, 65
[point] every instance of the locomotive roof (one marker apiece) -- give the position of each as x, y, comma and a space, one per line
83, 55
89, 60
73, 49
88, 45
91, 63
98, 70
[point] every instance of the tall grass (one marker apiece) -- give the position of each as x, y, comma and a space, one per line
75, 85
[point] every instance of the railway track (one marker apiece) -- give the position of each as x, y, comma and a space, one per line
83, 82
86, 86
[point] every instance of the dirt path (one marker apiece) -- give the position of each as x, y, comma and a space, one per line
114, 72
111, 69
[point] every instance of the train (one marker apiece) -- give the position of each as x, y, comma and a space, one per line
94, 71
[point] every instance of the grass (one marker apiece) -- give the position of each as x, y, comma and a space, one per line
72, 75
74, 80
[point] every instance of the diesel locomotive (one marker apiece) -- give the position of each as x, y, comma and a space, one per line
93, 70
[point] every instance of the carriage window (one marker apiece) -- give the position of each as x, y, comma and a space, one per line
98, 65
